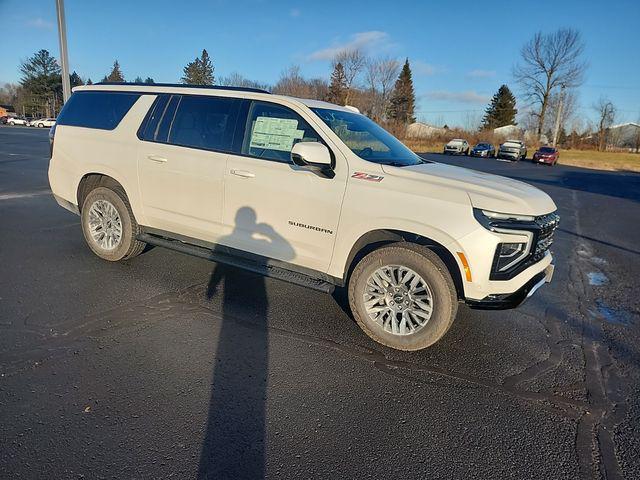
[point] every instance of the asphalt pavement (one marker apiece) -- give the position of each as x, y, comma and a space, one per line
145, 369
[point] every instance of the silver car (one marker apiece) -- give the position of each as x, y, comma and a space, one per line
512, 150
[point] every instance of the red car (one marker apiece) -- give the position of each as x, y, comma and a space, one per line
547, 155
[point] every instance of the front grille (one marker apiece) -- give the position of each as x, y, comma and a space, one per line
544, 239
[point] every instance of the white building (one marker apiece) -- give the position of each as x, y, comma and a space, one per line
423, 130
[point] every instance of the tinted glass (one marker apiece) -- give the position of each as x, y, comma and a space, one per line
102, 110
204, 122
150, 125
272, 131
367, 139
547, 149
161, 132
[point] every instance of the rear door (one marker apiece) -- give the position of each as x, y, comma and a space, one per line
182, 160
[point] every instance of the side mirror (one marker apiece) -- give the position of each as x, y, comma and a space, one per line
314, 156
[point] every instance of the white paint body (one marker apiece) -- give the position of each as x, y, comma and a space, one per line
197, 193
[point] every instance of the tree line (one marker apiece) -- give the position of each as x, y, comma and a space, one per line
550, 70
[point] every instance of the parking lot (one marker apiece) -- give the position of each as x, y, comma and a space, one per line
131, 370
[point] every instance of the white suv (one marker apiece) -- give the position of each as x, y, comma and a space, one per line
304, 191
43, 122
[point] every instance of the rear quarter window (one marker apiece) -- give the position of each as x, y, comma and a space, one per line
100, 110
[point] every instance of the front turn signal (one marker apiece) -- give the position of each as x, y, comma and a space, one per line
465, 264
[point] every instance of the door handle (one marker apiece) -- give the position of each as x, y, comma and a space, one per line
157, 158
243, 173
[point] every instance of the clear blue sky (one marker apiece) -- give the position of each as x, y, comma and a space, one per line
460, 51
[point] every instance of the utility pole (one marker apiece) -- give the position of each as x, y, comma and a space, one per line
556, 132
64, 56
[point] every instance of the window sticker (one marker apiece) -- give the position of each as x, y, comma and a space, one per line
275, 133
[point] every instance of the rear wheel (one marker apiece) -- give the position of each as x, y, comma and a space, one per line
403, 296
108, 224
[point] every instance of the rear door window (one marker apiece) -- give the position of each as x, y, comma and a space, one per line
204, 122
94, 109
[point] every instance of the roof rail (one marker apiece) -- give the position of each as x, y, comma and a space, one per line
186, 85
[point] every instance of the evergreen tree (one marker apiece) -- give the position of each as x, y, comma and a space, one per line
41, 74
501, 111
138, 79
116, 74
149, 80
338, 86
403, 98
75, 80
89, 82
200, 71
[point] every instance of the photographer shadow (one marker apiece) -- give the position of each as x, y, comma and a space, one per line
234, 441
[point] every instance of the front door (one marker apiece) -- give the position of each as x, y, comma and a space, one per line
273, 208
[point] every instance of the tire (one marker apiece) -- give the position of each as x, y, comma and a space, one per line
434, 274
127, 246
40, 125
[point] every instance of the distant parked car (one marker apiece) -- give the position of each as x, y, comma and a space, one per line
3, 119
546, 155
16, 121
457, 146
513, 150
44, 122
483, 150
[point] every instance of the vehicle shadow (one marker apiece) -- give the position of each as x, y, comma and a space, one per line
234, 440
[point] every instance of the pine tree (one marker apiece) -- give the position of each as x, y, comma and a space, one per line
338, 86
200, 71
41, 74
149, 80
138, 79
501, 111
89, 82
403, 98
116, 74
75, 80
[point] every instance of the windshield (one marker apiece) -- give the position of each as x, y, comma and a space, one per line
547, 149
367, 139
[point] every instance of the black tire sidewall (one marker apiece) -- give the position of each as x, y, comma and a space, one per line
103, 193
432, 270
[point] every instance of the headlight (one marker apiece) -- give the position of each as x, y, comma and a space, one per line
517, 237
507, 216
509, 254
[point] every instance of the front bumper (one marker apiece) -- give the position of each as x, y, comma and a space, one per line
512, 300
503, 154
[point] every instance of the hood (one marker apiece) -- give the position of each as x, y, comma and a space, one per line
486, 191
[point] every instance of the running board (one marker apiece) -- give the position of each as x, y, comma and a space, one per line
267, 270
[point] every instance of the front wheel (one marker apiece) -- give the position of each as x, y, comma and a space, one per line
108, 225
402, 296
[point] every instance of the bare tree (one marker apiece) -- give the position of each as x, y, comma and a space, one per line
381, 75
606, 116
292, 83
549, 61
353, 61
235, 79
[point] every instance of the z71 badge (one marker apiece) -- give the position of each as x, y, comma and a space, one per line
367, 176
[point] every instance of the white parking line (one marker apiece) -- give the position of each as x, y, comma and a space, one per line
12, 195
